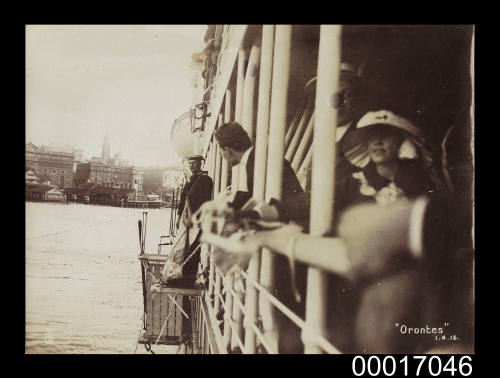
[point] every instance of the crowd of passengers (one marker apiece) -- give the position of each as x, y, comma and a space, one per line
399, 255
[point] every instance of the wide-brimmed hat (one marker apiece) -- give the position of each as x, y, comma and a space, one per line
355, 143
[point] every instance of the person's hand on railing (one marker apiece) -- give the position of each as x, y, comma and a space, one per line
235, 250
238, 248
209, 211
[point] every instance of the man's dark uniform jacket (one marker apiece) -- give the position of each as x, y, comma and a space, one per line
199, 190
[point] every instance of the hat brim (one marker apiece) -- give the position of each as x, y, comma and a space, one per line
354, 145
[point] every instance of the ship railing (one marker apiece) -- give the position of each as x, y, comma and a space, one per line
228, 338
250, 308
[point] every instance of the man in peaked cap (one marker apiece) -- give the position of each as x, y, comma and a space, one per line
196, 191
198, 188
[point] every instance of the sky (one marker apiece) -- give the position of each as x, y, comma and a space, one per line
130, 81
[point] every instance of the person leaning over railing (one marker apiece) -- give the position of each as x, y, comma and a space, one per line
390, 163
237, 149
383, 178
431, 232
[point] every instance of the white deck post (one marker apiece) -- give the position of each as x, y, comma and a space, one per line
323, 159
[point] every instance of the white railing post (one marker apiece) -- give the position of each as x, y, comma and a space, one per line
251, 80
224, 165
217, 292
228, 309
238, 111
247, 117
323, 159
218, 158
266, 64
264, 104
274, 179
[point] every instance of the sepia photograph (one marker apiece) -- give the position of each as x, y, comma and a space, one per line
251, 189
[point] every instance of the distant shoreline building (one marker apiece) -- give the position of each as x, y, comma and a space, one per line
50, 166
109, 172
158, 179
63, 166
109, 175
172, 177
153, 179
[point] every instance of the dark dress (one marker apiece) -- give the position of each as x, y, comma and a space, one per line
366, 185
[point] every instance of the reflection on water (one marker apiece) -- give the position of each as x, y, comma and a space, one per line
83, 279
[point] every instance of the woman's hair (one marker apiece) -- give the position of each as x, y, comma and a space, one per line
233, 135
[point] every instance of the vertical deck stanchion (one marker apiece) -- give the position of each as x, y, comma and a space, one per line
208, 248
211, 279
247, 121
251, 77
210, 159
205, 248
218, 157
194, 326
218, 288
262, 129
323, 163
214, 161
263, 111
228, 313
224, 165
277, 122
240, 83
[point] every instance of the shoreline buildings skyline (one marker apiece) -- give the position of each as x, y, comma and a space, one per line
64, 166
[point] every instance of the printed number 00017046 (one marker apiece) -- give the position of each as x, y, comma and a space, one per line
433, 365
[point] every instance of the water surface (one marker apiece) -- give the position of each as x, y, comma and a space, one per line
83, 278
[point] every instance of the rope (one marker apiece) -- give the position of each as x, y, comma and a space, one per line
164, 323
152, 274
79, 228
175, 245
178, 305
140, 329
191, 256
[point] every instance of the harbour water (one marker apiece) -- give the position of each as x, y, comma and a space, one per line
83, 278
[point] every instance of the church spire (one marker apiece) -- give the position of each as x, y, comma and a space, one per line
105, 149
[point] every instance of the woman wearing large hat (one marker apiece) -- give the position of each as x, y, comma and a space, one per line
391, 158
